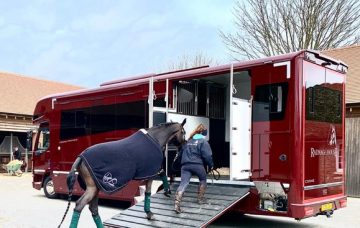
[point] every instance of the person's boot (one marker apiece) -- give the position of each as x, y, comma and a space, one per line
201, 193
178, 197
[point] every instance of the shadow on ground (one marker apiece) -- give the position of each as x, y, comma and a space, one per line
239, 220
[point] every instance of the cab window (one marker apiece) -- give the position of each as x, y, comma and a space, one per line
43, 141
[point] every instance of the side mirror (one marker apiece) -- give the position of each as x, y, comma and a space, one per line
29, 140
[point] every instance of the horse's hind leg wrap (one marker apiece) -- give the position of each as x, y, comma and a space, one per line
97, 221
147, 202
93, 207
164, 181
75, 219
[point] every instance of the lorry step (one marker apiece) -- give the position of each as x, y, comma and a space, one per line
220, 199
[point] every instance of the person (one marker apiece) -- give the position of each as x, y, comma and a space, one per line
195, 153
17, 154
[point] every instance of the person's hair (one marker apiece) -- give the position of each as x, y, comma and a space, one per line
197, 130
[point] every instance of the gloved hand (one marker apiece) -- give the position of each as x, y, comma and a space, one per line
167, 192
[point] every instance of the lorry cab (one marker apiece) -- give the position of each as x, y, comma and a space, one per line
42, 159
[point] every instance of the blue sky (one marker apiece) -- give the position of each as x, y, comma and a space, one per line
86, 43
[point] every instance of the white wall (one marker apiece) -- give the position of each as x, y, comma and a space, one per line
191, 122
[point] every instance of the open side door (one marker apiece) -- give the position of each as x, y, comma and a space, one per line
240, 131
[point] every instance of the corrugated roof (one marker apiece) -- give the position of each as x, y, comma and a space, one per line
19, 94
351, 56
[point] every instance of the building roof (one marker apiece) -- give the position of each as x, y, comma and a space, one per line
351, 56
19, 94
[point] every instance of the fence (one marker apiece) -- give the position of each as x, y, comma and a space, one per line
352, 148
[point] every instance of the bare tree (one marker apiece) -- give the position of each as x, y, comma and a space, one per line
187, 61
271, 27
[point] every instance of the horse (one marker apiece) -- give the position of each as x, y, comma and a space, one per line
140, 164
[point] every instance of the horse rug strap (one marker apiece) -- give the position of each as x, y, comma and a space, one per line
113, 164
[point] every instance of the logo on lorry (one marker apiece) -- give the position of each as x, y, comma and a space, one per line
323, 152
109, 180
331, 142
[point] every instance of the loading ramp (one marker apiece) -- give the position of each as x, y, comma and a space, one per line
220, 199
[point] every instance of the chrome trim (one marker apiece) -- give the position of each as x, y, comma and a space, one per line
143, 131
53, 103
311, 187
61, 172
319, 202
222, 182
39, 170
287, 64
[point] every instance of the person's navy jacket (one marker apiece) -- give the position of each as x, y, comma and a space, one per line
197, 151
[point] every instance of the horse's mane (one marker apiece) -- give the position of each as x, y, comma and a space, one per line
165, 124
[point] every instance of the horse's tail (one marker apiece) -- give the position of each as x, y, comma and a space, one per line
71, 178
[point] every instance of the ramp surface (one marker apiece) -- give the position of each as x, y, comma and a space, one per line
220, 199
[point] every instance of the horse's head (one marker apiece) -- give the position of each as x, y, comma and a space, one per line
178, 138
169, 132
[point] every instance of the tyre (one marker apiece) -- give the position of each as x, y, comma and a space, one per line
49, 189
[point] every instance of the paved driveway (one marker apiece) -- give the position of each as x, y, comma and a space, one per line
21, 206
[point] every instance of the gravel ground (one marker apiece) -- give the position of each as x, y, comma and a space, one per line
21, 206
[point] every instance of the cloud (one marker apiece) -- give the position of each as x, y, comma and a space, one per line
55, 64
86, 44
10, 31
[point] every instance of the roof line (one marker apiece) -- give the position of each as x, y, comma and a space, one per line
341, 48
144, 76
30, 77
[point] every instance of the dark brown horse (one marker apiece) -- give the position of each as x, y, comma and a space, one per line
156, 137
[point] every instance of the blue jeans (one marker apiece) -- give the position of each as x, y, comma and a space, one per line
187, 171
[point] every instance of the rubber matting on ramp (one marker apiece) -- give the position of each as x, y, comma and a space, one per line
220, 198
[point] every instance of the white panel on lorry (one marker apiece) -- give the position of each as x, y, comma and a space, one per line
241, 139
191, 122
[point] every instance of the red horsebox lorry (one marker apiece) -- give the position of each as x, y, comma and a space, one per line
275, 124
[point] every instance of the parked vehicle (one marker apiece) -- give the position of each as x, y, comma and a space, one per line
275, 124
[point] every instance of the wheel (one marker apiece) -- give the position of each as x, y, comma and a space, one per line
49, 188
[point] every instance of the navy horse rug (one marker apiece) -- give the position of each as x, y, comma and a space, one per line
113, 164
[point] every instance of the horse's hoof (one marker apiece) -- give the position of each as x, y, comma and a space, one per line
167, 193
149, 215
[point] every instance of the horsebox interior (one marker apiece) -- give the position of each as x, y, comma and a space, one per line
206, 100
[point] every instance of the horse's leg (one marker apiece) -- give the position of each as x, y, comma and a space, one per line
93, 207
165, 182
90, 193
149, 214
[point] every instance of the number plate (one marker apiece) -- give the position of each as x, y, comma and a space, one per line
326, 207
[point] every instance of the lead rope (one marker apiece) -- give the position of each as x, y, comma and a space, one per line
214, 174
